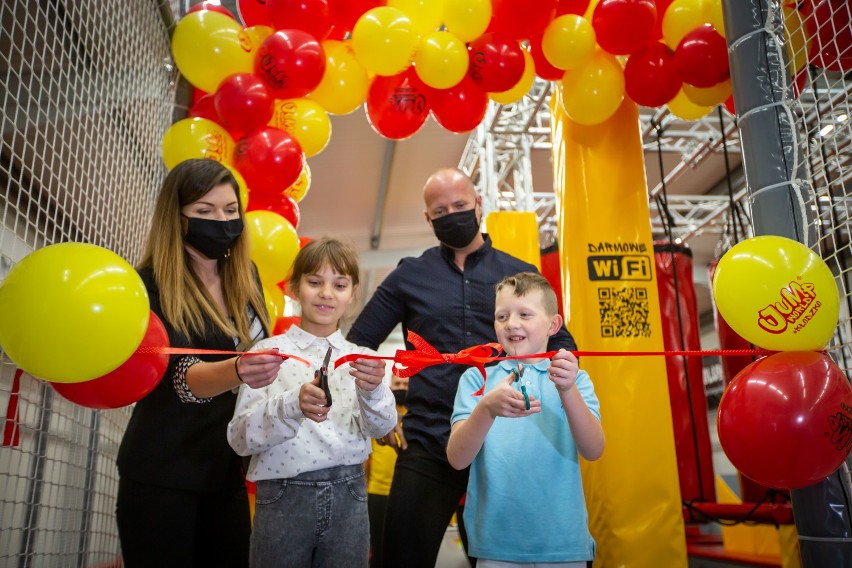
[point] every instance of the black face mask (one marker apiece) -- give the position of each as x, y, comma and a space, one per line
211, 237
457, 230
399, 395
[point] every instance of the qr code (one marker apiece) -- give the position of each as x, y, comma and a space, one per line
624, 312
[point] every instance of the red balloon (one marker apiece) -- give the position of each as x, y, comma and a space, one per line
291, 63
785, 421
281, 204
521, 19
269, 159
344, 13
543, 68
729, 104
213, 7
496, 62
284, 323
577, 7
460, 108
828, 22
398, 106
651, 77
623, 26
204, 107
303, 241
702, 57
243, 102
254, 13
312, 16
129, 383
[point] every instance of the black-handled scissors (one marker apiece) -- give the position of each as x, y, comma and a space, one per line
323, 377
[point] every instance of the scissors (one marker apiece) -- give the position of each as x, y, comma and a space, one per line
322, 372
519, 374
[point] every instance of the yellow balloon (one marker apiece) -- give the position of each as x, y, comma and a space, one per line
72, 312
196, 138
306, 121
592, 93
522, 87
685, 109
241, 182
568, 41
709, 96
209, 46
300, 188
274, 245
385, 41
467, 19
426, 15
715, 16
257, 35
681, 17
442, 60
345, 82
274, 301
777, 293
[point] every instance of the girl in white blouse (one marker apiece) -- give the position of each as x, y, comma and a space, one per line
307, 455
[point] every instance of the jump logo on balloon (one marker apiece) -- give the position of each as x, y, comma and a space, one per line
407, 100
796, 300
245, 41
276, 77
216, 147
841, 429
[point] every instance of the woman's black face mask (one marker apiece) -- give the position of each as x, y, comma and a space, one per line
211, 237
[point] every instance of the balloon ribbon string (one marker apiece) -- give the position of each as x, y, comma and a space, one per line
151, 350
11, 430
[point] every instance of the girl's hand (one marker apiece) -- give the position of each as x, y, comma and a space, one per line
368, 373
312, 400
258, 369
563, 370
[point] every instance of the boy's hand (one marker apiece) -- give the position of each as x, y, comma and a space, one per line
563, 370
312, 400
368, 373
505, 400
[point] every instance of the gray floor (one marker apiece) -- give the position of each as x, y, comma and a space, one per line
451, 554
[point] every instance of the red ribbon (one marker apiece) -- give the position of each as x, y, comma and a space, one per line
152, 350
11, 429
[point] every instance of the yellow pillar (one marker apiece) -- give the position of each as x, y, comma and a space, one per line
611, 304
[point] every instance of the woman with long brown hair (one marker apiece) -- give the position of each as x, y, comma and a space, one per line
182, 498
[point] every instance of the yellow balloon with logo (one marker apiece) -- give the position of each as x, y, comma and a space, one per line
568, 41
442, 60
209, 46
241, 182
306, 121
72, 312
300, 187
522, 87
196, 138
385, 41
777, 293
345, 82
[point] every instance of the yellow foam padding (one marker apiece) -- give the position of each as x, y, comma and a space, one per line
516, 233
611, 304
382, 463
766, 540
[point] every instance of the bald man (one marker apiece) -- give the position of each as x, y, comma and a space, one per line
446, 296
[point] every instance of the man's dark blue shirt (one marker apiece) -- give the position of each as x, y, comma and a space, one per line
450, 309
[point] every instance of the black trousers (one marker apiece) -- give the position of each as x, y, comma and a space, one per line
424, 494
164, 527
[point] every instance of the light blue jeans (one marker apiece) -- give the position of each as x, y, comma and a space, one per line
317, 519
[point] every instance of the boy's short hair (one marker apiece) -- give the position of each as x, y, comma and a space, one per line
334, 252
525, 282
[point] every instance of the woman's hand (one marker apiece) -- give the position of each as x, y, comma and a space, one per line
258, 369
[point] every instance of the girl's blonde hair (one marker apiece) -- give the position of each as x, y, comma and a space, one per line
183, 297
